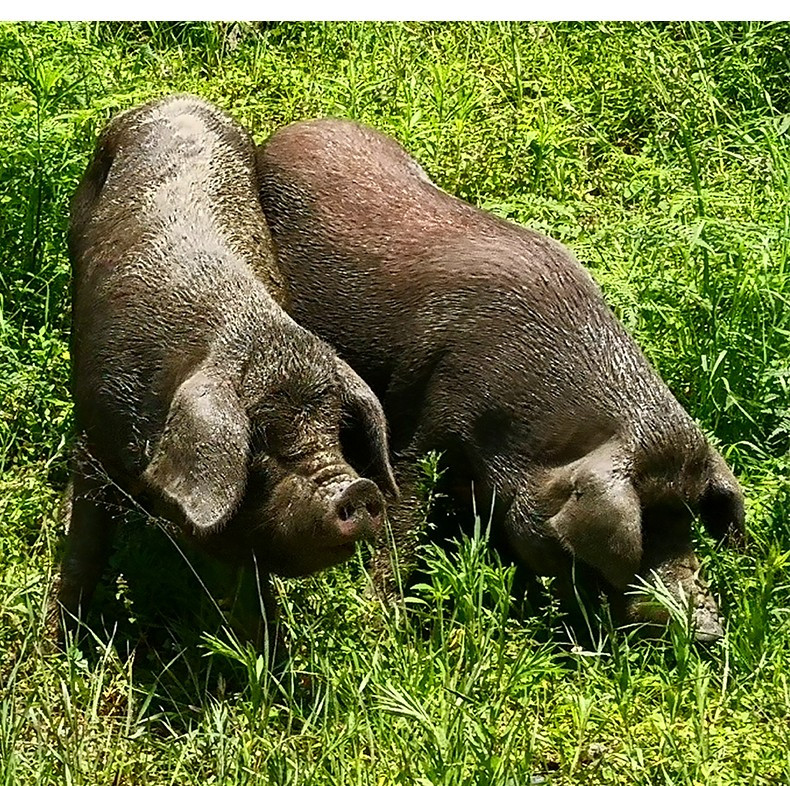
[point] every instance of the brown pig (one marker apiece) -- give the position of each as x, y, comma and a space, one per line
195, 393
491, 343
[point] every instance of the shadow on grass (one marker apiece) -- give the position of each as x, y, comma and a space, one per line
168, 614
157, 608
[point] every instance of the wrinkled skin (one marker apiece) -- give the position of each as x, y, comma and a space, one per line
196, 395
491, 343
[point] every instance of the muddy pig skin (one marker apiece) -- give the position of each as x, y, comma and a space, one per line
489, 342
196, 395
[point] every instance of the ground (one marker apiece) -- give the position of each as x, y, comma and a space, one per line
660, 153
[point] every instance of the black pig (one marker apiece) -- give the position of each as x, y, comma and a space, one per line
490, 342
195, 393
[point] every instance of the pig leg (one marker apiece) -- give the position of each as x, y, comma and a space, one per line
88, 541
396, 551
252, 611
407, 517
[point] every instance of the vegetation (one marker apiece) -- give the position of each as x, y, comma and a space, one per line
661, 155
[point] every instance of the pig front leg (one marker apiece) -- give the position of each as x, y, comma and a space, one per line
91, 527
252, 613
395, 555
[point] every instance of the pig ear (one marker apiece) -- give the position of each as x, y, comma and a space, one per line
361, 402
199, 465
595, 513
721, 506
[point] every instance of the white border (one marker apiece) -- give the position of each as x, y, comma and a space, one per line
403, 10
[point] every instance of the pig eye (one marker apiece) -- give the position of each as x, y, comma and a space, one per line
268, 436
671, 519
291, 451
258, 440
279, 441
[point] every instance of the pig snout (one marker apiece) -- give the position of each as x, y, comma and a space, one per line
707, 621
358, 511
708, 624
691, 593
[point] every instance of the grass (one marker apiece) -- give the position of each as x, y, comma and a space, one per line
661, 155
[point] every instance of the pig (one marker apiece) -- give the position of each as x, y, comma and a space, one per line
196, 396
490, 343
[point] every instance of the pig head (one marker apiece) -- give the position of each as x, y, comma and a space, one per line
196, 395
627, 520
490, 343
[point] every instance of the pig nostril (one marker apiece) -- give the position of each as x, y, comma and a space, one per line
346, 512
373, 509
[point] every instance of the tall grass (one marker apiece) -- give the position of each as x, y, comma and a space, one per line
660, 154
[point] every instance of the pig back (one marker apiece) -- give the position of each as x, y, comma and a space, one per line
434, 301
165, 168
165, 228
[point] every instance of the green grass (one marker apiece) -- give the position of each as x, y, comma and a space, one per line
661, 155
